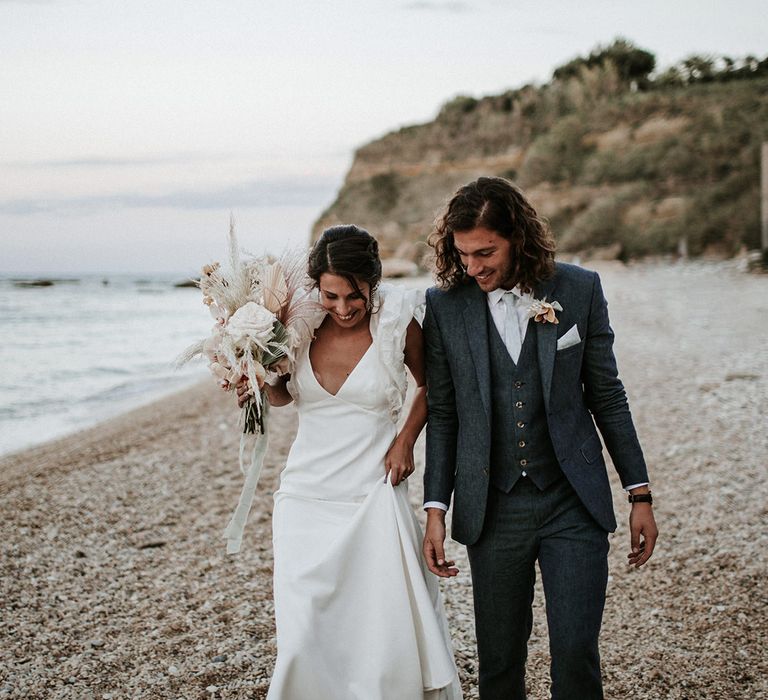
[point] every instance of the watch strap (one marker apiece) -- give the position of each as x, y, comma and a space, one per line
640, 498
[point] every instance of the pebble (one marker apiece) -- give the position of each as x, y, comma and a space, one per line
219, 659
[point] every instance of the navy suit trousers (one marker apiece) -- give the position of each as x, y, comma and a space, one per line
553, 527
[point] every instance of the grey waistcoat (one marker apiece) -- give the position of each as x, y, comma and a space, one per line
520, 437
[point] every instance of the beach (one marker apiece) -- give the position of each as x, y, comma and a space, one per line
115, 583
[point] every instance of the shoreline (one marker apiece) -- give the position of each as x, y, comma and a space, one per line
128, 404
101, 438
93, 422
117, 585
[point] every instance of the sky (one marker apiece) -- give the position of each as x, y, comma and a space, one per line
130, 130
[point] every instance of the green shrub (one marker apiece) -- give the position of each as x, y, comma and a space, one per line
725, 214
631, 62
669, 158
600, 223
461, 104
605, 223
384, 192
558, 155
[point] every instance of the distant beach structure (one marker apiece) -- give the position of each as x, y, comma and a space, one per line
33, 283
44, 281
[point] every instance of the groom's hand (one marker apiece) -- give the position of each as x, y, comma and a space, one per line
434, 539
643, 533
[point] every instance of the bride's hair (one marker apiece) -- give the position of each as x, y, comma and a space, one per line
350, 252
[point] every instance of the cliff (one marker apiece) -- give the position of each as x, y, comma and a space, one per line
619, 171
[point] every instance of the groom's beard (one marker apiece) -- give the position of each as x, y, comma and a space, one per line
494, 280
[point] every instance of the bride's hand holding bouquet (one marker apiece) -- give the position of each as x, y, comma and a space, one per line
263, 314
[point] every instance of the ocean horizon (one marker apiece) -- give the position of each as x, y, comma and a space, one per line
87, 347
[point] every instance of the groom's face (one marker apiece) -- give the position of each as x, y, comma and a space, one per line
485, 254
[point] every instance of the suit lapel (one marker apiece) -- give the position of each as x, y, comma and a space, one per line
476, 325
546, 340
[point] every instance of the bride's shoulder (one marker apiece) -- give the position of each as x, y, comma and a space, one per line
400, 304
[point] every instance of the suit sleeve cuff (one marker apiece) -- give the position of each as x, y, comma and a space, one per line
435, 504
633, 486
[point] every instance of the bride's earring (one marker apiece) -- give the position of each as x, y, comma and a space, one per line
373, 301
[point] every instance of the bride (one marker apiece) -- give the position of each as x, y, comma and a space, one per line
358, 615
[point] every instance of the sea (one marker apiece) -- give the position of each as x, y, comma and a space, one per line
86, 348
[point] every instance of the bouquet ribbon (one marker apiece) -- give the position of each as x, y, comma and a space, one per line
258, 443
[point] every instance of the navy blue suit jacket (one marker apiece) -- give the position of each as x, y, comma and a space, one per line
579, 382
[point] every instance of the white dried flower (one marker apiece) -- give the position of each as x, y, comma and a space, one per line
250, 322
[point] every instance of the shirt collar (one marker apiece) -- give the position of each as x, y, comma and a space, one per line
495, 296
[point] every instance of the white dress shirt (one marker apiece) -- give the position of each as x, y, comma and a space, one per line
499, 312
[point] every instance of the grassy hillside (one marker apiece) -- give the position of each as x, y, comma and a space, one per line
615, 168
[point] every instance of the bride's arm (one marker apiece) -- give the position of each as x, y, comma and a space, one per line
399, 460
277, 393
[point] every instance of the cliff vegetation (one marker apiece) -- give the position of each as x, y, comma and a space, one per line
625, 161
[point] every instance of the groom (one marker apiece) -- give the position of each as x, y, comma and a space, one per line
519, 363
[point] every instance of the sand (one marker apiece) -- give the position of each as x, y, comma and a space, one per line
115, 583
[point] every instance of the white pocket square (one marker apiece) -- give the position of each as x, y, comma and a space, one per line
571, 337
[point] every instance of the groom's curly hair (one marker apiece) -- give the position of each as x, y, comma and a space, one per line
498, 205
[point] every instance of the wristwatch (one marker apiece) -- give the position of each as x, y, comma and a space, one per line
641, 498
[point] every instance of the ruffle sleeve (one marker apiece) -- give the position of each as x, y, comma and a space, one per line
399, 306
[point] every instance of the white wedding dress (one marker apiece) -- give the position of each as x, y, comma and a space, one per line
359, 616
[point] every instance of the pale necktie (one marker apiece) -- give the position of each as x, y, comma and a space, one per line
512, 337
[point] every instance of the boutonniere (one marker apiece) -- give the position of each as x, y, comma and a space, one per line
543, 311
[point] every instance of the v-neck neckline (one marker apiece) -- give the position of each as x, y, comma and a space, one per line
349, 376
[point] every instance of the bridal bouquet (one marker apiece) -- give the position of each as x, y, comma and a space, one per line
263, 314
